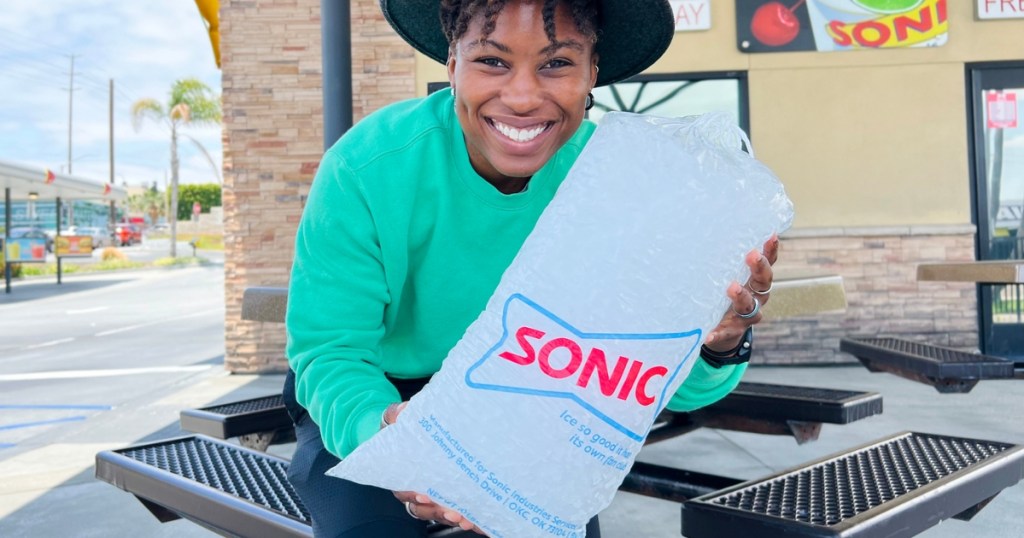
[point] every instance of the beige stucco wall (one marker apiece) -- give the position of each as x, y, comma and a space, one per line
860, 138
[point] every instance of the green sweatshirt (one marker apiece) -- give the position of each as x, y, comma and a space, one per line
399, 248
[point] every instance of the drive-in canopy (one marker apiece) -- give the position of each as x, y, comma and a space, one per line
27, 182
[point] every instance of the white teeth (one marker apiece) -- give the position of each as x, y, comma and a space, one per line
519, 135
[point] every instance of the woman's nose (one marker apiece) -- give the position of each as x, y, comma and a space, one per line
523, 93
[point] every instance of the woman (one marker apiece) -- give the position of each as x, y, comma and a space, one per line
416, 212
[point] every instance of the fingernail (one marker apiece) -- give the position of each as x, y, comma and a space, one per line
422, 499
710, 339
454, 517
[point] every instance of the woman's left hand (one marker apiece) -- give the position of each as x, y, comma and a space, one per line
729, 332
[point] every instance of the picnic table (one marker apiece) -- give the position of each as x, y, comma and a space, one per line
948, 369
239, 491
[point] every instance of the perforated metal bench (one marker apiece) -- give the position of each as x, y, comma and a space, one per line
751, 407
892, 488
776, 410
257, 422
228, 489
948, 370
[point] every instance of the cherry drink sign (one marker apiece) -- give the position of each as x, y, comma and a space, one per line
836, 25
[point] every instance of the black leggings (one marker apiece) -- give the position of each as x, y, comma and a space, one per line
344, 509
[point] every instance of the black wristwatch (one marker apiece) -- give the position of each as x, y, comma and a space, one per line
737, 355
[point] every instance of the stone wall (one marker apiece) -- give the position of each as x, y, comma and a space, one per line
273, 140
879, 270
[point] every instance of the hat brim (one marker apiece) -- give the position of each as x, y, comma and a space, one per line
632, 34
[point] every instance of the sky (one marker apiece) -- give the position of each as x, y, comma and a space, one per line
143, 46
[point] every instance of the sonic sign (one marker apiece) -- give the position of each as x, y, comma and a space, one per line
836, 25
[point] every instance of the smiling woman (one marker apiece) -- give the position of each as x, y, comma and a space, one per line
418, 210
519, 98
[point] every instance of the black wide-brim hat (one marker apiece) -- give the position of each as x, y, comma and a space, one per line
631, 34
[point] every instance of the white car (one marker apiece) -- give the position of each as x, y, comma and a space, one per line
100, 236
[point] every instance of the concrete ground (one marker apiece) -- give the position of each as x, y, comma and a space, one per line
49, 490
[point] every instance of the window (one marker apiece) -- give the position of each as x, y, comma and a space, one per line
674, 95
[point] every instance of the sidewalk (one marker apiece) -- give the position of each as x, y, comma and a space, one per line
49, 489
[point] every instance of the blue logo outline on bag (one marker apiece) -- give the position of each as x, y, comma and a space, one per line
490, 353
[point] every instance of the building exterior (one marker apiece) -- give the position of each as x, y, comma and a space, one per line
889, 154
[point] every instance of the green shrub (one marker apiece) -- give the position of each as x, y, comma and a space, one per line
179, 261
207, 194
115, 264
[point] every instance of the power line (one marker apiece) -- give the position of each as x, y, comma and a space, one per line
34, 42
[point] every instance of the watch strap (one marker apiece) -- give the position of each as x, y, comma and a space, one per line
737, 355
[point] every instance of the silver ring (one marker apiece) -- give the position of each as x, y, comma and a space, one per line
408, 510
752, 313
765, 292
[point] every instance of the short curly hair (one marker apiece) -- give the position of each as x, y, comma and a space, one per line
457, 14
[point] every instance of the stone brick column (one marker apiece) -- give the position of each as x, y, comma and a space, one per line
273, 137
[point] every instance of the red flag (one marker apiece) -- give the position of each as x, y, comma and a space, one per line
106, 189
50, 176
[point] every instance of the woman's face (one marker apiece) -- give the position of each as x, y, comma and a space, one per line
519, 97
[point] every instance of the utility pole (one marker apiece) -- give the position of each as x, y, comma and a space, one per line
71, 101
112, 217
71, 104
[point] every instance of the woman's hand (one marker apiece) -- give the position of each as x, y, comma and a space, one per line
730, 330
419, 505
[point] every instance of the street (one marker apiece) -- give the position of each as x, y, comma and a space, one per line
92, 364
100, 347
145, 252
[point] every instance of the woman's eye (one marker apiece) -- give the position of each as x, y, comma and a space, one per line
557, 63
491, 62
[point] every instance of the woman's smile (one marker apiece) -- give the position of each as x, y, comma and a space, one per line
520, 134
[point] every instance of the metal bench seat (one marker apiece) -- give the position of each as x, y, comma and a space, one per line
752, 407
257, 422
231, 490
948, 370
775, 409
892, 488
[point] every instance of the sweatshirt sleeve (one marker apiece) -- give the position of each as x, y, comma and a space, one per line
335, 318
706, 385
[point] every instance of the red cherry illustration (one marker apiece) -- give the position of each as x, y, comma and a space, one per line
774, 24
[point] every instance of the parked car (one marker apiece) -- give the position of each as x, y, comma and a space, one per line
100, 236
32, 232
127, 234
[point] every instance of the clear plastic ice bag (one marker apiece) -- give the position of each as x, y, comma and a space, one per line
538, 412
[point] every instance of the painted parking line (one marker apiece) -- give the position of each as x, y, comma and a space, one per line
160, 322
58, 407
82, 374
21, 425
87, 310
50, 343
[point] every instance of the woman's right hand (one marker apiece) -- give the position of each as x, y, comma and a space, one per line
419, 505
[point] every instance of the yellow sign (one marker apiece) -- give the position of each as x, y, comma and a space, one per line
68, 246
925, 23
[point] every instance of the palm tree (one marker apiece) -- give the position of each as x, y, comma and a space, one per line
191, 103
149, 202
